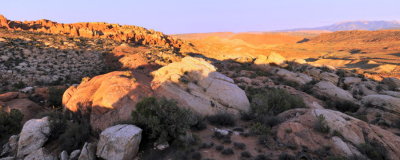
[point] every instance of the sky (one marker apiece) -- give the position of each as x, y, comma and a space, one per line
199, 16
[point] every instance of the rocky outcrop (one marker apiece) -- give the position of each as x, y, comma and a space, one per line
108, 98
298, 78
351, 80
328, 90
382, 101
121, 33
330, 77
28, 108
19, 101
349, 132
33, 136
120, 142
196, 84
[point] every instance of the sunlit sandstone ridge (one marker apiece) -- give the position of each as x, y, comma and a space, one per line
121, 33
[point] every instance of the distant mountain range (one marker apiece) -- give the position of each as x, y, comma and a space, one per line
355, 25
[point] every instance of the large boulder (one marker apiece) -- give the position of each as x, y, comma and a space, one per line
345, 135
329, 90
33, 136
196, 84
385, 102
108, 98
120, 142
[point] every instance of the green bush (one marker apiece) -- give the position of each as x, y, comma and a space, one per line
162, 120
221, 119
320, 125
55, 96
274, 101
71, 129
373, 150
75, 135
258, 128
10, 123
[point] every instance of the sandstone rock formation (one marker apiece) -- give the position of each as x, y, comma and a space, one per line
330, 91
119, 142
382, 101
122, 33
28, 108
108, 98
196, 84
263, 61
353, 132
33, 136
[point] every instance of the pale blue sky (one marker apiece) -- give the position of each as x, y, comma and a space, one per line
193, 16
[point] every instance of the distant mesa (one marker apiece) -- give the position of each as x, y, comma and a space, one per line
120, 33
354, 25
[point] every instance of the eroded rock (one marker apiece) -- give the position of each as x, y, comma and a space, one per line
119, 142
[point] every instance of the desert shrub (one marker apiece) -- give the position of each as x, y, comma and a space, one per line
227, 151
75, 135
221, 119
258, 128
71, 129
261, 157
343, 106
58, 123
200, 125
162, 120
206, 145
10, 123
285, 156
219, 148
245, 154
19, 85
274, 101
307, 88
373, 150
320, 125
341, 73
337, 158
55, 96
196, 156
239, 145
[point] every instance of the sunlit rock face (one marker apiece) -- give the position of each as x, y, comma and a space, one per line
107, 98
122, 33
195, 84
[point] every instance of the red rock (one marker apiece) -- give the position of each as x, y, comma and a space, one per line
8, 96
122, 33
108, 98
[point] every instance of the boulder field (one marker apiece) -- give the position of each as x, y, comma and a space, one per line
193, 83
